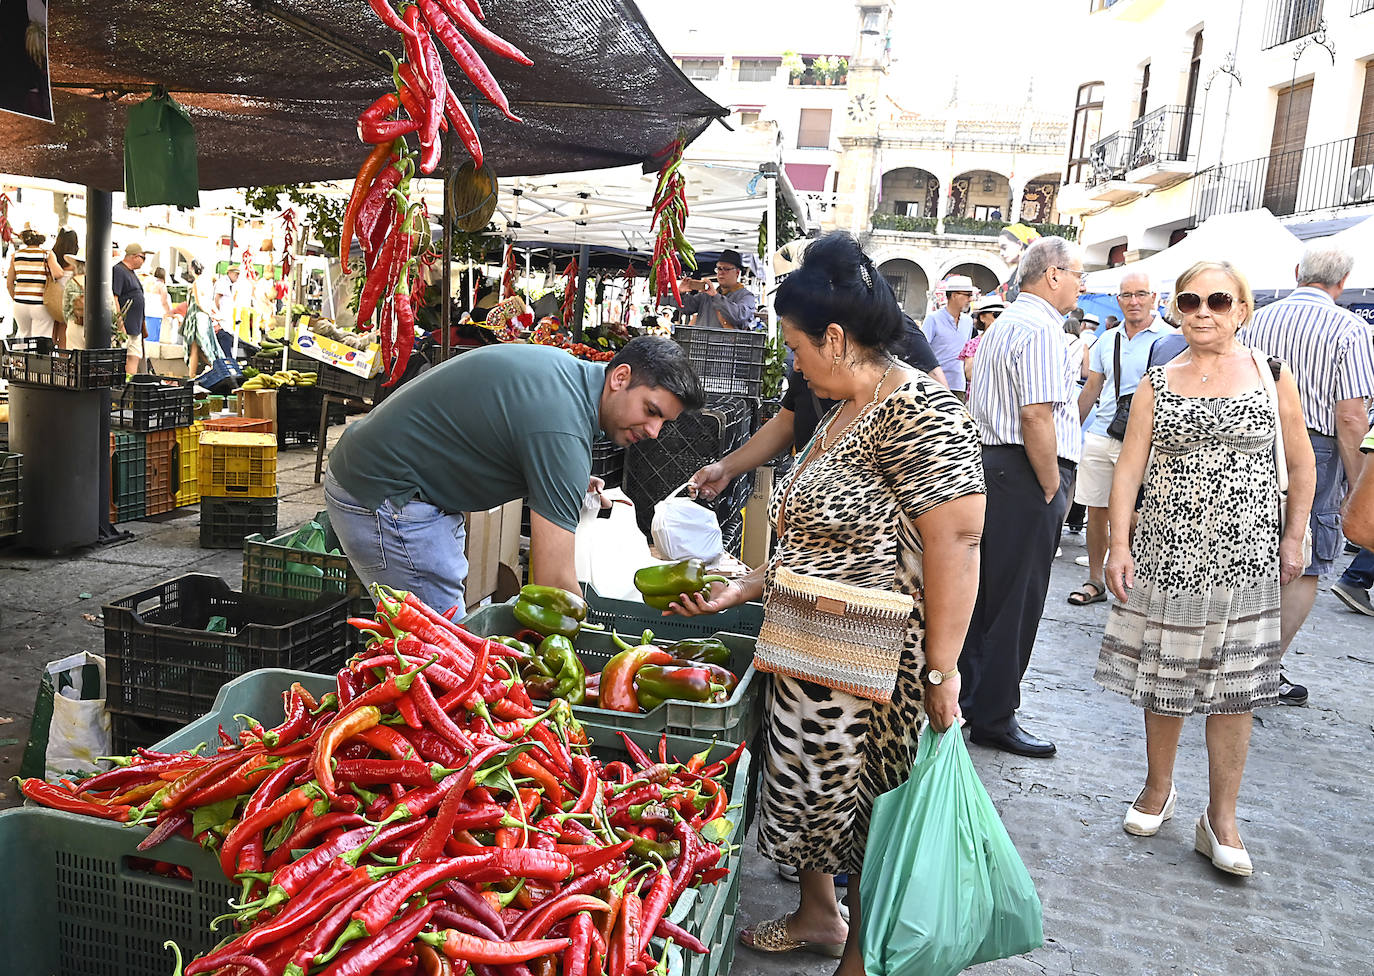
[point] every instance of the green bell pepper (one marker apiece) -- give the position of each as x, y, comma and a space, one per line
692, 684
557, 654
672, 579
559, 600
708, 649
544, 621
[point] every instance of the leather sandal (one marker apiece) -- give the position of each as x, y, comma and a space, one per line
1081, 597
771, 937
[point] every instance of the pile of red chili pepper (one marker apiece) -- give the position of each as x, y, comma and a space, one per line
424, 818
671, 248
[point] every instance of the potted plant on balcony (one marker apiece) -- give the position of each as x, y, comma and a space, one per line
821, 68
796, 67
840, 69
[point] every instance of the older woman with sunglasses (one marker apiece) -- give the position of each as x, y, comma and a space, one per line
1196, 630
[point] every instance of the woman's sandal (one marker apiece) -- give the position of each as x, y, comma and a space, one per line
771, 936
1081, 597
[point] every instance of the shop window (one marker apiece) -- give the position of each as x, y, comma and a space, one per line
1117, 256
814, 132
748, 118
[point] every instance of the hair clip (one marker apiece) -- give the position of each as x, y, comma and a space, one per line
868, 278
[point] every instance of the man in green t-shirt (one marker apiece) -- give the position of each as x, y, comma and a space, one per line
493, 425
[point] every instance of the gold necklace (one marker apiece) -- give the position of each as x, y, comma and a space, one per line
869, 406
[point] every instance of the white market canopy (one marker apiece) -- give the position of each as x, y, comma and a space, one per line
1254, 241
1358, 240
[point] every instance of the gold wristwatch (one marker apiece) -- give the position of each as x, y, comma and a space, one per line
933, 677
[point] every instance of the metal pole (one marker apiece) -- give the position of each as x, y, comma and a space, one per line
584, 253
770, 246
99, 325
446, 286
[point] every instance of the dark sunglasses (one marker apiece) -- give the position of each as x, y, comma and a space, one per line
1219, 302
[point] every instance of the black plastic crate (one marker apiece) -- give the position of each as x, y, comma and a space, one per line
152, 404
43, 345
128, 732
729, 361
271, 362
341, 381
608, 463
68, 369
654, 468
298, 415
161, 662
224, 522
11, 494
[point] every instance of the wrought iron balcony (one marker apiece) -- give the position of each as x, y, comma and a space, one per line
1288, 20
1321, 177
1160, 137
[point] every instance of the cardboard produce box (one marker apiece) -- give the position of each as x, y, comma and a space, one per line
493, 541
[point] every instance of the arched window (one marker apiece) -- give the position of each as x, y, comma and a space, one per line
1087, 128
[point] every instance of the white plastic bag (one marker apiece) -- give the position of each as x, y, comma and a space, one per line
682, 529
609, 550
78, 727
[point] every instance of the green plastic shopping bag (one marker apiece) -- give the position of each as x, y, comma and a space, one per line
942, 887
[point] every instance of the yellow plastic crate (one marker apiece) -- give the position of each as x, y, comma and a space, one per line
188, 465
238, 465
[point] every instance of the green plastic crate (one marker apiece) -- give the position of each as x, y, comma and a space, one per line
633, 617
128, 475
270, 568
738, 718
77, 902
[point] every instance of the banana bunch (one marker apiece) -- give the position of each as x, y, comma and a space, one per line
283, 377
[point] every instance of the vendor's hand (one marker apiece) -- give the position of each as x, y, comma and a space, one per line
1120, 572
1290, 560
942, 703
723, 597
597, 486
709, 482
711, 288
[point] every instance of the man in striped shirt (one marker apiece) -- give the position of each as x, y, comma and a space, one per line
1329, 351
1023, 398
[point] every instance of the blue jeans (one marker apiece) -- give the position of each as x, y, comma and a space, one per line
1327, 541
416, 547
1360, 573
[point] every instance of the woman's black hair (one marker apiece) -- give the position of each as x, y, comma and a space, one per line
67, 242
838, 283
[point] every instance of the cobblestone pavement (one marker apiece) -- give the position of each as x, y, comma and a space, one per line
1114, 905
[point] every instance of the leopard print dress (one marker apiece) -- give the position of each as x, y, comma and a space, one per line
827, 754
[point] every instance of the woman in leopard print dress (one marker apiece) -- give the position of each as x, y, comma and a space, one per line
889, 494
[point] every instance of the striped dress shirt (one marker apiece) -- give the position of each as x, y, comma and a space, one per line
1328, 348
30, 275
1023, 359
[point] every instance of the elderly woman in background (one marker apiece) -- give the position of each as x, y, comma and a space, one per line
887, 495
1196, 630
985, 312
31, 268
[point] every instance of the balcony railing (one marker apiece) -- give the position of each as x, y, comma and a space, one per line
1361, 7
970, 226
1161, 136
1288, 20
1333, 174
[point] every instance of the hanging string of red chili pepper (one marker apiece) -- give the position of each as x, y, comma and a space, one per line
628, 278
6, 231
512, 271
569, 292
249, 274
288, 220
672, 251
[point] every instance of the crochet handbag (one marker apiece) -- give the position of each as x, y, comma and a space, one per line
845, 637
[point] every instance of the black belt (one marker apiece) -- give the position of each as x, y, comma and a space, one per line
1020, 448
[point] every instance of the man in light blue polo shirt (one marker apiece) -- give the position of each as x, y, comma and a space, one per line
949, 329
1116, 366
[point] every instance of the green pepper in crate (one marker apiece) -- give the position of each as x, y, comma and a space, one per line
711, 650
672, 579
550, 610
694, 684
557, 655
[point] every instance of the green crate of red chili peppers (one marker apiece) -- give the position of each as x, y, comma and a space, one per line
699, 686
425, 807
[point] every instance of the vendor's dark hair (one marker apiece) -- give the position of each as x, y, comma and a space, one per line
838, 283
658, 361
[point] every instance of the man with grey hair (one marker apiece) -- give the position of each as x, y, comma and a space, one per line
1117, 365
1023, 391
1328, 349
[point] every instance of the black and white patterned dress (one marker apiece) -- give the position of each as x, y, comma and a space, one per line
827, 754
1200, 632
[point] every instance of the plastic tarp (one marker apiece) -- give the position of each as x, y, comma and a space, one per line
274, 88
1254, 241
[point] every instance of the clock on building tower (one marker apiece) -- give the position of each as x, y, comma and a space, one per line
861, 107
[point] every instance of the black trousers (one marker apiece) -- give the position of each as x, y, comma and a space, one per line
1020, 535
